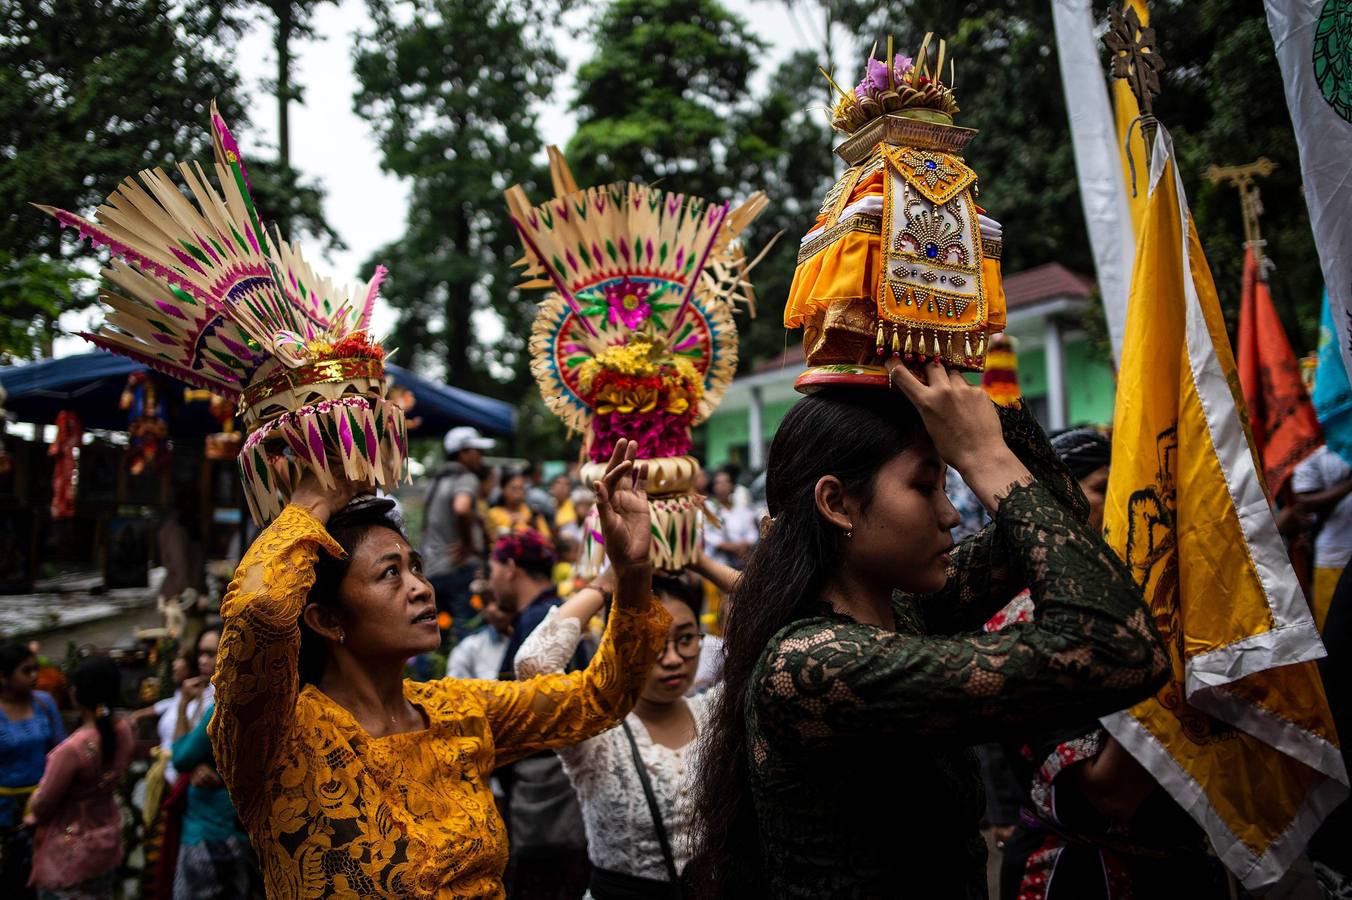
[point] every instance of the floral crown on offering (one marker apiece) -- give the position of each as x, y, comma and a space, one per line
636, 338
901, 261
200, 290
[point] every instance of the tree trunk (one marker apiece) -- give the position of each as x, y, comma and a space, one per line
459, 307
285, 25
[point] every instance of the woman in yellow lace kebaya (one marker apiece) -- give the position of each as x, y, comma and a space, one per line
355, 782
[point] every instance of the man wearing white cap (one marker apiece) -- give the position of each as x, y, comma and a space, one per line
453, 537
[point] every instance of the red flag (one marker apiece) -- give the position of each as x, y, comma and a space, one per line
1281, 416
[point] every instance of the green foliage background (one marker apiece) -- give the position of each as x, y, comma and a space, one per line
669, 91
93, 92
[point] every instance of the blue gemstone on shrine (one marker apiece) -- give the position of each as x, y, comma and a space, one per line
932, 251
931, 164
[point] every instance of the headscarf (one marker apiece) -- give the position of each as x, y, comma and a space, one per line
1083, 450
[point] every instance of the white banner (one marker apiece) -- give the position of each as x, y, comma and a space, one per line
1314, 50
1098, 162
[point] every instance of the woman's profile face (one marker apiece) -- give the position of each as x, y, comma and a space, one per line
902, 536
389, 610
1095, 487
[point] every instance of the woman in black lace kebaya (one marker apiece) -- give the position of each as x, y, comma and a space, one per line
856, 676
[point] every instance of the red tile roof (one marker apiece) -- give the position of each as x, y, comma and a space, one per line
792, 358
1045, 282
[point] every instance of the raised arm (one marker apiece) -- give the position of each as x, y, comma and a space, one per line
981, 577
555, 710
1090, 650
257, 679
721, 576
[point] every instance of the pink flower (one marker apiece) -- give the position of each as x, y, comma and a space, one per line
900, 66
875, 79
657, 434
628, 302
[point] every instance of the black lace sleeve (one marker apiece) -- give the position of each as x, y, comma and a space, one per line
1091, 649
981, 579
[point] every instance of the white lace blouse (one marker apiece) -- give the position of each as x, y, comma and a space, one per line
620, 832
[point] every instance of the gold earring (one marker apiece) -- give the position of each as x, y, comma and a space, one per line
342, 636
849, 532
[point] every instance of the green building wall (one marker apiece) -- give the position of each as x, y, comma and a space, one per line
727, 436
1090, 386
1090, 389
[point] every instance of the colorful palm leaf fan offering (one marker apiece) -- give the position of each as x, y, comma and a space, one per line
636, 339
199, 289
902, 261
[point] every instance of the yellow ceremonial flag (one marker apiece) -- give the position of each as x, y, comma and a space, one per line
1125, 110
1241, 737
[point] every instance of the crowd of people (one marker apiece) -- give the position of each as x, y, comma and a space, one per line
566, 748
471, 505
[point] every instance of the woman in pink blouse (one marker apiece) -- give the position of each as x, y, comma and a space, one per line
79, 827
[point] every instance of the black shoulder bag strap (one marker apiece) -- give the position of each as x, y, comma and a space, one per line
672, 874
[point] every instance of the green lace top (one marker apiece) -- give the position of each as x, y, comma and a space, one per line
858, 736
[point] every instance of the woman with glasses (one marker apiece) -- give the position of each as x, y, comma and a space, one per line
634, 782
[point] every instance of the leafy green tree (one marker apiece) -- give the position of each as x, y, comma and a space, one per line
94, 93
782, 147
666, 97
657, 97
294, 21
450, 91
299, 204
41, 289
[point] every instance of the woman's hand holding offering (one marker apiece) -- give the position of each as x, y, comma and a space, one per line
965, 427
322, 502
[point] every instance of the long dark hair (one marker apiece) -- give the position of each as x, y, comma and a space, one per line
98, 687
12, 655
348, 527
846, 433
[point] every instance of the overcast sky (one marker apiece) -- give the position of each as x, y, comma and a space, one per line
331, 144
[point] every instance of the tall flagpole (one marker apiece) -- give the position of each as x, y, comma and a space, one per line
1241, 178
1135, 60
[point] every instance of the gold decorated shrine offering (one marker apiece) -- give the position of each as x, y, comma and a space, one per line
902, 260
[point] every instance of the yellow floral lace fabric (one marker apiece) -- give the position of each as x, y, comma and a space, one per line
334, 812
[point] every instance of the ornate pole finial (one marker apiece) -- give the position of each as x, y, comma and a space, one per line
1135, 59
1251, 205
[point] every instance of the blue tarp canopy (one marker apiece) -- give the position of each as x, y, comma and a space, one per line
91, 385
